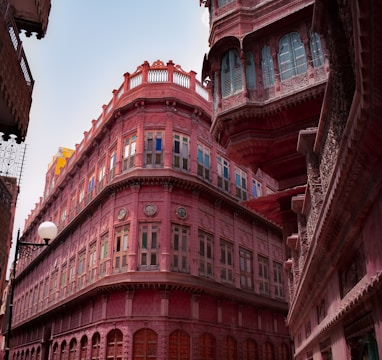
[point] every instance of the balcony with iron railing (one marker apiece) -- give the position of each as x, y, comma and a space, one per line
15, 76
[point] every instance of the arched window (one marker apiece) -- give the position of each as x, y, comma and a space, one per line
84, 347
114, 345
96, 340
292, 57
231, 80
55, 352
73, 349
316, 50
283, 352
63, 351
179, 345
268, 353
250, 72
250, 350
145, 344
229, 348
207, 347
38, 354
267, 68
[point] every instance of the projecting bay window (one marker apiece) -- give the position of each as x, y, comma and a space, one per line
223, 173
92, 267
204, 162
103, 256
226, 262
121, 245
246, 273
241, 184
263, 264
81, 273
149, 246
181, 152
278, 281
154, 149
205, 254
179, 258
112, 164
129, 152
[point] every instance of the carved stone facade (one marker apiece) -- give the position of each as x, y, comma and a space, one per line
338, 291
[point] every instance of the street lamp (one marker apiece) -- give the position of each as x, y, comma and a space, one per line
47, 231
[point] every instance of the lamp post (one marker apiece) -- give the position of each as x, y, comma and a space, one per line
47, 231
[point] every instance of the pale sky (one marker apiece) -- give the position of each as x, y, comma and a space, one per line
88, 47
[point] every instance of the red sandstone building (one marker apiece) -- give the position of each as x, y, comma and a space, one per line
316, 129
155, 257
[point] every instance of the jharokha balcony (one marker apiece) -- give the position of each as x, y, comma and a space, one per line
16, 81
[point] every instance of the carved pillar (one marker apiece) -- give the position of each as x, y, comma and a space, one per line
292, 242
297, 207
305, 146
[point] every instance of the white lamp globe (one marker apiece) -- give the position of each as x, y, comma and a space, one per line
47, 230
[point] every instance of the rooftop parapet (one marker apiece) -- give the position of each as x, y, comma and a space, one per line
179, 84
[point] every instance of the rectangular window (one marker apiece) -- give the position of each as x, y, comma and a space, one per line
204, 162
180, 236
121, 245
278, 281
226, 262
103, 256
101, 177
181, 152
241, 184
129, 152
154, 149
73, 204
256, 188
149, 246
63, 280
205, 254
72, 275
246, 273
53, 286
112, 164
81, 274
223, 173
81, 196
263, 263
92, 266
91, 188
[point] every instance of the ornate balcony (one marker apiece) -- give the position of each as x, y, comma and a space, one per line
16, 82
